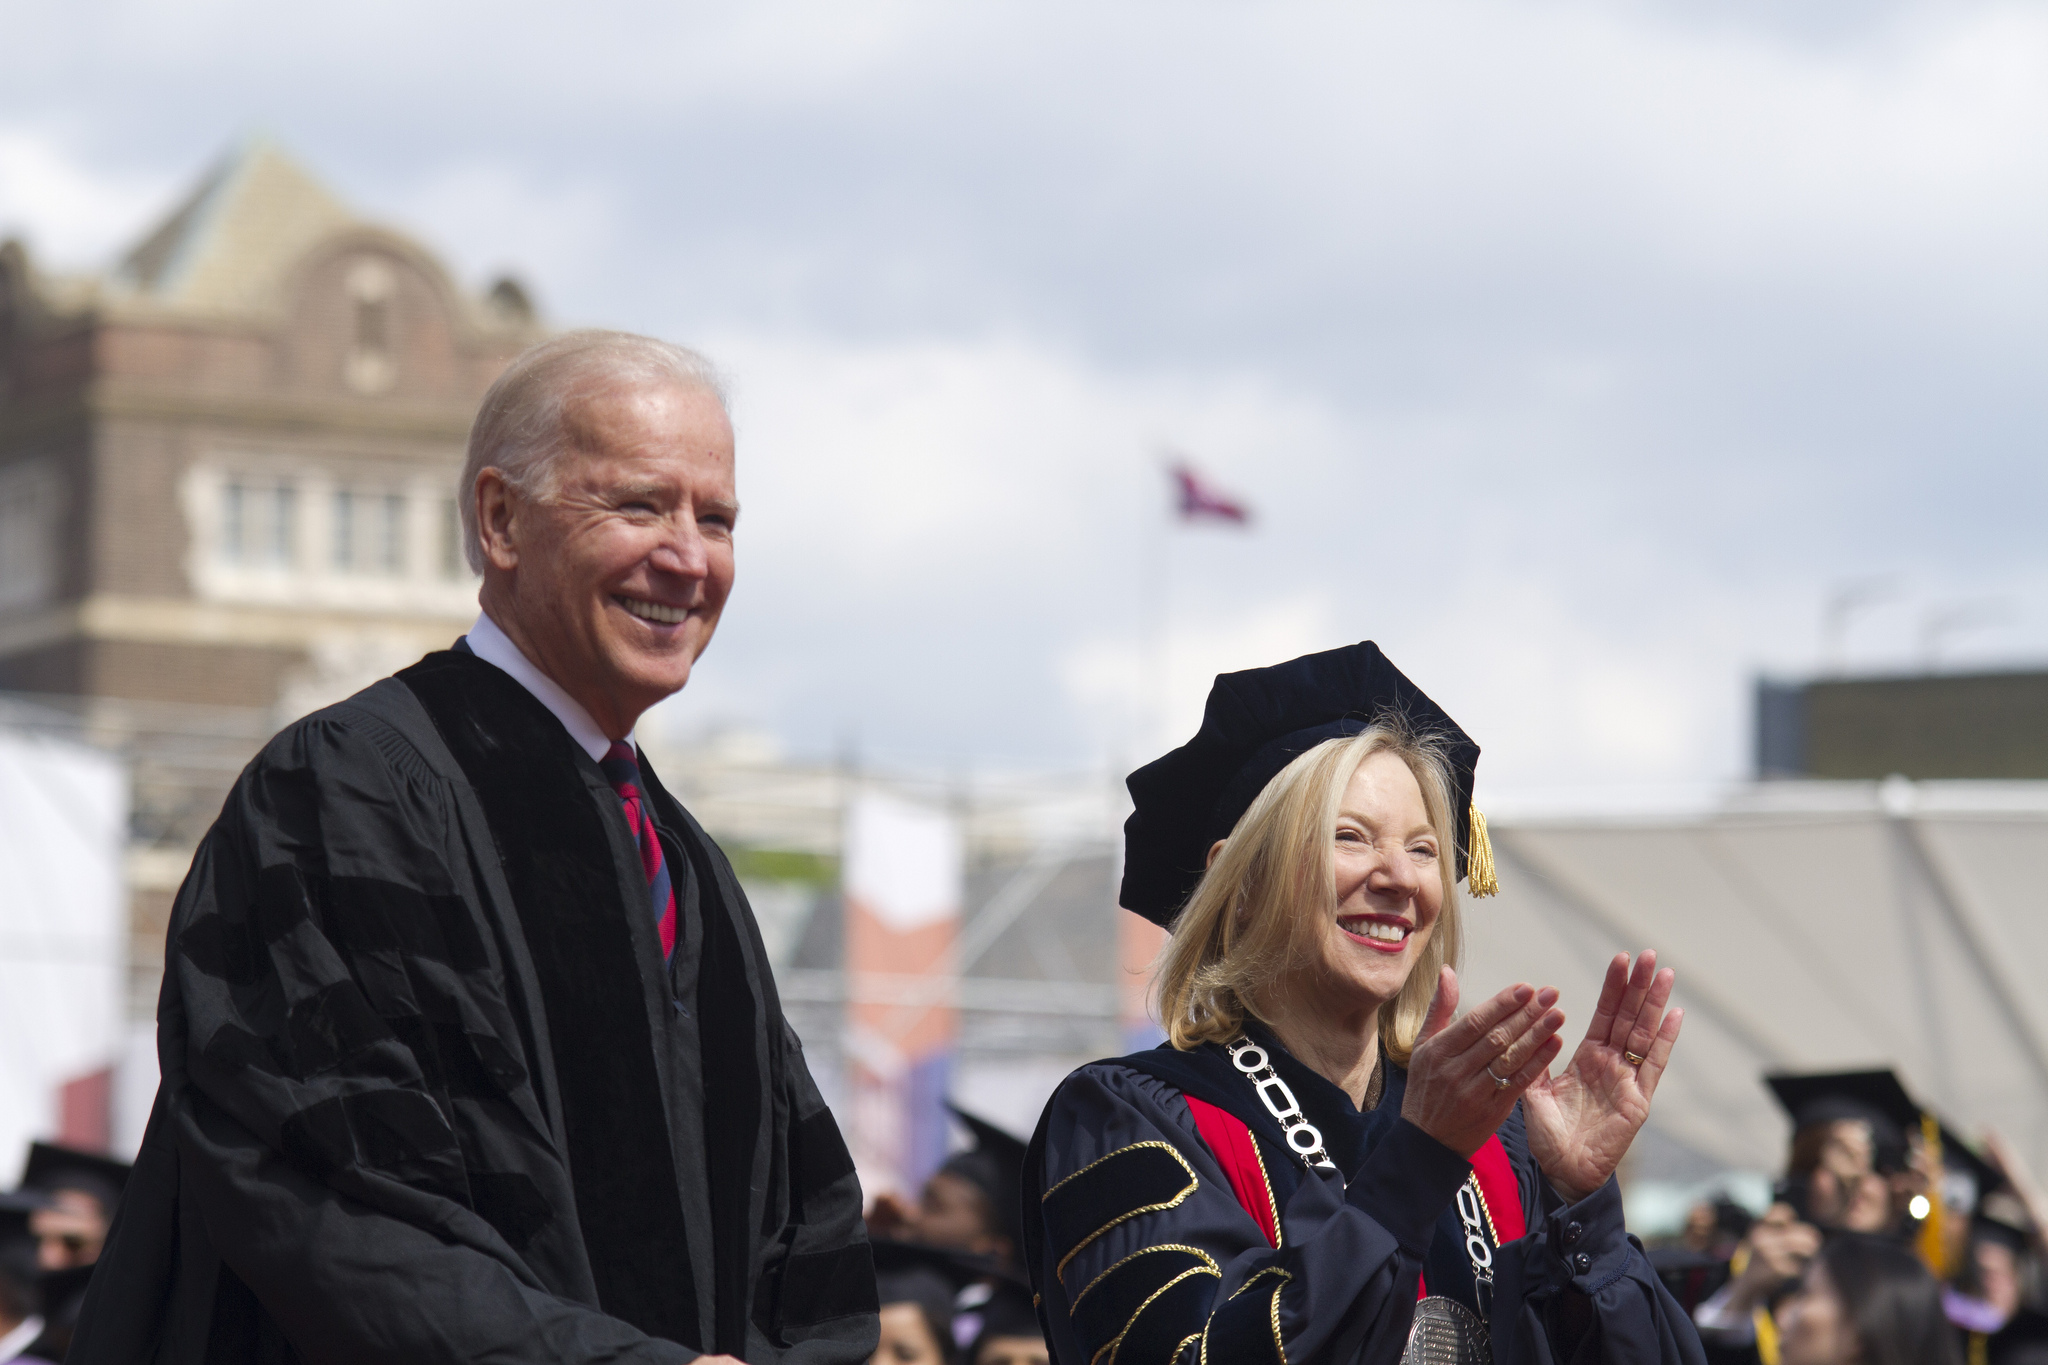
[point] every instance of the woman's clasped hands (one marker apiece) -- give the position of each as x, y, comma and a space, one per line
1467, 1073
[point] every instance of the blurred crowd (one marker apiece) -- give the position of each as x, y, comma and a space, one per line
51, 1231
1890, 1241
949, 1269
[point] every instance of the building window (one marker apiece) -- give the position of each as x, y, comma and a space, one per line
29, 497
372, 362
343, 533
391, 534
256, 524
369, 533
452, 559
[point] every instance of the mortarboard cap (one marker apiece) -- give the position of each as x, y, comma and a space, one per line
14, 1220
1255, 724
17, 1250
1874, 1097
928, 1276
2001, 1216
1007, 1312
995, 1166
60, 1167
1966, 1176
51, 1168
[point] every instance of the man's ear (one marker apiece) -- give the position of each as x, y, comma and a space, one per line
496, 519
1214, 849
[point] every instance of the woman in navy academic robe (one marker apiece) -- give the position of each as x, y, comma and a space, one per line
1323, 1163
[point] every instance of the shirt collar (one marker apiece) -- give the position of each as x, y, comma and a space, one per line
21, 1338
494, 646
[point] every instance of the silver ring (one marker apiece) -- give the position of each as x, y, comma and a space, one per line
1499, 1082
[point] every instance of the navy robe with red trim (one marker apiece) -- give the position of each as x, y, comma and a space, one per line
431, 1093
1143, 1253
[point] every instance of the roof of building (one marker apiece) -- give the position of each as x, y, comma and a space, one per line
230, 246
1814, 927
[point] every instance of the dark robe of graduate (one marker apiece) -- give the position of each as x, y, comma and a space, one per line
431, 1093
1149, 1241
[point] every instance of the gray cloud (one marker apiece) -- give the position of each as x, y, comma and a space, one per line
1571, 349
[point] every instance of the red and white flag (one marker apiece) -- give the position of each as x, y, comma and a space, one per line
1200, 500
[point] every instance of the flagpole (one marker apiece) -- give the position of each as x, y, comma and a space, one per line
1154, 605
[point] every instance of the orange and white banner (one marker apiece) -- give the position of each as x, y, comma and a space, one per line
904, 876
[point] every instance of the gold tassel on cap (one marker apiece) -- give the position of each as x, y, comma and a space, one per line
1931, 1245
1479, 878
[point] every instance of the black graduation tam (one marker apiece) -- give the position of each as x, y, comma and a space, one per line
1874, 1097
1006, 1313
896, 1259
52, 1168
1966, 1176
17, 1247
928, 1276
995, 1166
2001, 1216
1256, 723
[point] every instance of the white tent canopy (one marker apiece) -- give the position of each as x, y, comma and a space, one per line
1814, 927
63, 927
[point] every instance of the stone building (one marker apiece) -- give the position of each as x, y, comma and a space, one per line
227, 479
227, 472
227, 467
1926, 726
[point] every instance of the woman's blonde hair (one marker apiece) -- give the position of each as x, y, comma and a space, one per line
1262, 909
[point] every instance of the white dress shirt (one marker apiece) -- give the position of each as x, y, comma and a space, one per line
494, 646
19, 1340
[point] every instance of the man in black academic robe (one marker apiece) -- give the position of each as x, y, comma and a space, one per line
432, 1088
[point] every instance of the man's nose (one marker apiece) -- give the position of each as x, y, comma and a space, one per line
684, 550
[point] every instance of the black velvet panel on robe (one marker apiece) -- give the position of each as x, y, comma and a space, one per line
566, 886
428, 1092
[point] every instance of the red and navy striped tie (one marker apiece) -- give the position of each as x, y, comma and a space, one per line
622, 770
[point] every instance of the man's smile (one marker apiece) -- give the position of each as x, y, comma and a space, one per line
652, 611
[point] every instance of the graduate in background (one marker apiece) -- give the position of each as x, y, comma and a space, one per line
21, 1322
1848, 1163
1865, 1300
73, 1196
1992, 1255
918, 1285
1004, 1329
972, 1203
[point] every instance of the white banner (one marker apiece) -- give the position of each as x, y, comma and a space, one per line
904, 863
63, 927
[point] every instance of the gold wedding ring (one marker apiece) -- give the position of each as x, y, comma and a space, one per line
1633, 1059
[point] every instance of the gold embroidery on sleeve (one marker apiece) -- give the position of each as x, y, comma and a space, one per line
1272, 1310
1206, 1259
1060, 1270
1166, 1147
1107, 1355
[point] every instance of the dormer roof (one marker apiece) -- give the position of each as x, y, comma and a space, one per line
231, 246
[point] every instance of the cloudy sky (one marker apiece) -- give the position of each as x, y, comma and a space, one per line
1576, 351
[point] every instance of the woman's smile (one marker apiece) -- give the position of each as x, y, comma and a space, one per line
1381, 933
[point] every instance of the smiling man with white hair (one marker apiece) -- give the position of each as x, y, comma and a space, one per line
470, 1047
